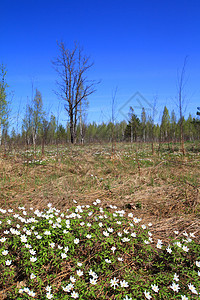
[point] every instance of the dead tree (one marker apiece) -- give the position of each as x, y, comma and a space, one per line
73, 84
181, 85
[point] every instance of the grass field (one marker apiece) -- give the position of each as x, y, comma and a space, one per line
87, 222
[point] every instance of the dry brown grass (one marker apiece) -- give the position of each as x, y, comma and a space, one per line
165, 192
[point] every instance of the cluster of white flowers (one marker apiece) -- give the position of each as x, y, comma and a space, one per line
26, 232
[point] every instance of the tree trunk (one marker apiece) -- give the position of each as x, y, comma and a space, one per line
43, 146
182, 140
0, 133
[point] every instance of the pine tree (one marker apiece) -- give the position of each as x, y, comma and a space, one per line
165, 125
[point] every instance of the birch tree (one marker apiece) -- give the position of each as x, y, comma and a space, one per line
3, 99
37, 116
181, 86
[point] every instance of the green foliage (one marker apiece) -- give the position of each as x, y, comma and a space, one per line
89, 252
133, 128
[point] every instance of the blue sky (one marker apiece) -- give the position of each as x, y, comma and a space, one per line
136, 46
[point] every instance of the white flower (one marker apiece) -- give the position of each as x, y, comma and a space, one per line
192, 234
147, 295
175, 287
155, 288
52, 245
5, 252
113, 249
127, 298
192, 288
108, 261
169, 250
47, 232
114, 282
63, 255
106, 233
176, 277
31, 293
79, 264
120, 259
184, 297
48, 288
159, 244
67, 288
49, 296
110, 229
33, 252
93, 274
93, 281
98, 201
133, 234
125, 239
198, 264
3, 239
178, 244
144, 226
124, 284
72, 279
79, 273
20, 291
33, 258
74, 295
76, 241
32, 276
185, 248
8, 262
88, 236
23, 238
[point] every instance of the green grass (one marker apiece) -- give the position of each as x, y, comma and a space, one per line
89, 252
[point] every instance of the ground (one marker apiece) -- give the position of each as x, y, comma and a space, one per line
162, 188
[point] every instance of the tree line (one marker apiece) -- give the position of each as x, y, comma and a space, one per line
37, 129
74, 87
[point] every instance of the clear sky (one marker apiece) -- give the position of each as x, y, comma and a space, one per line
136, 46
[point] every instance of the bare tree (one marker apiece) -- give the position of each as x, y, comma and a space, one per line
3, 100
113, 118
74, 86
181, 85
